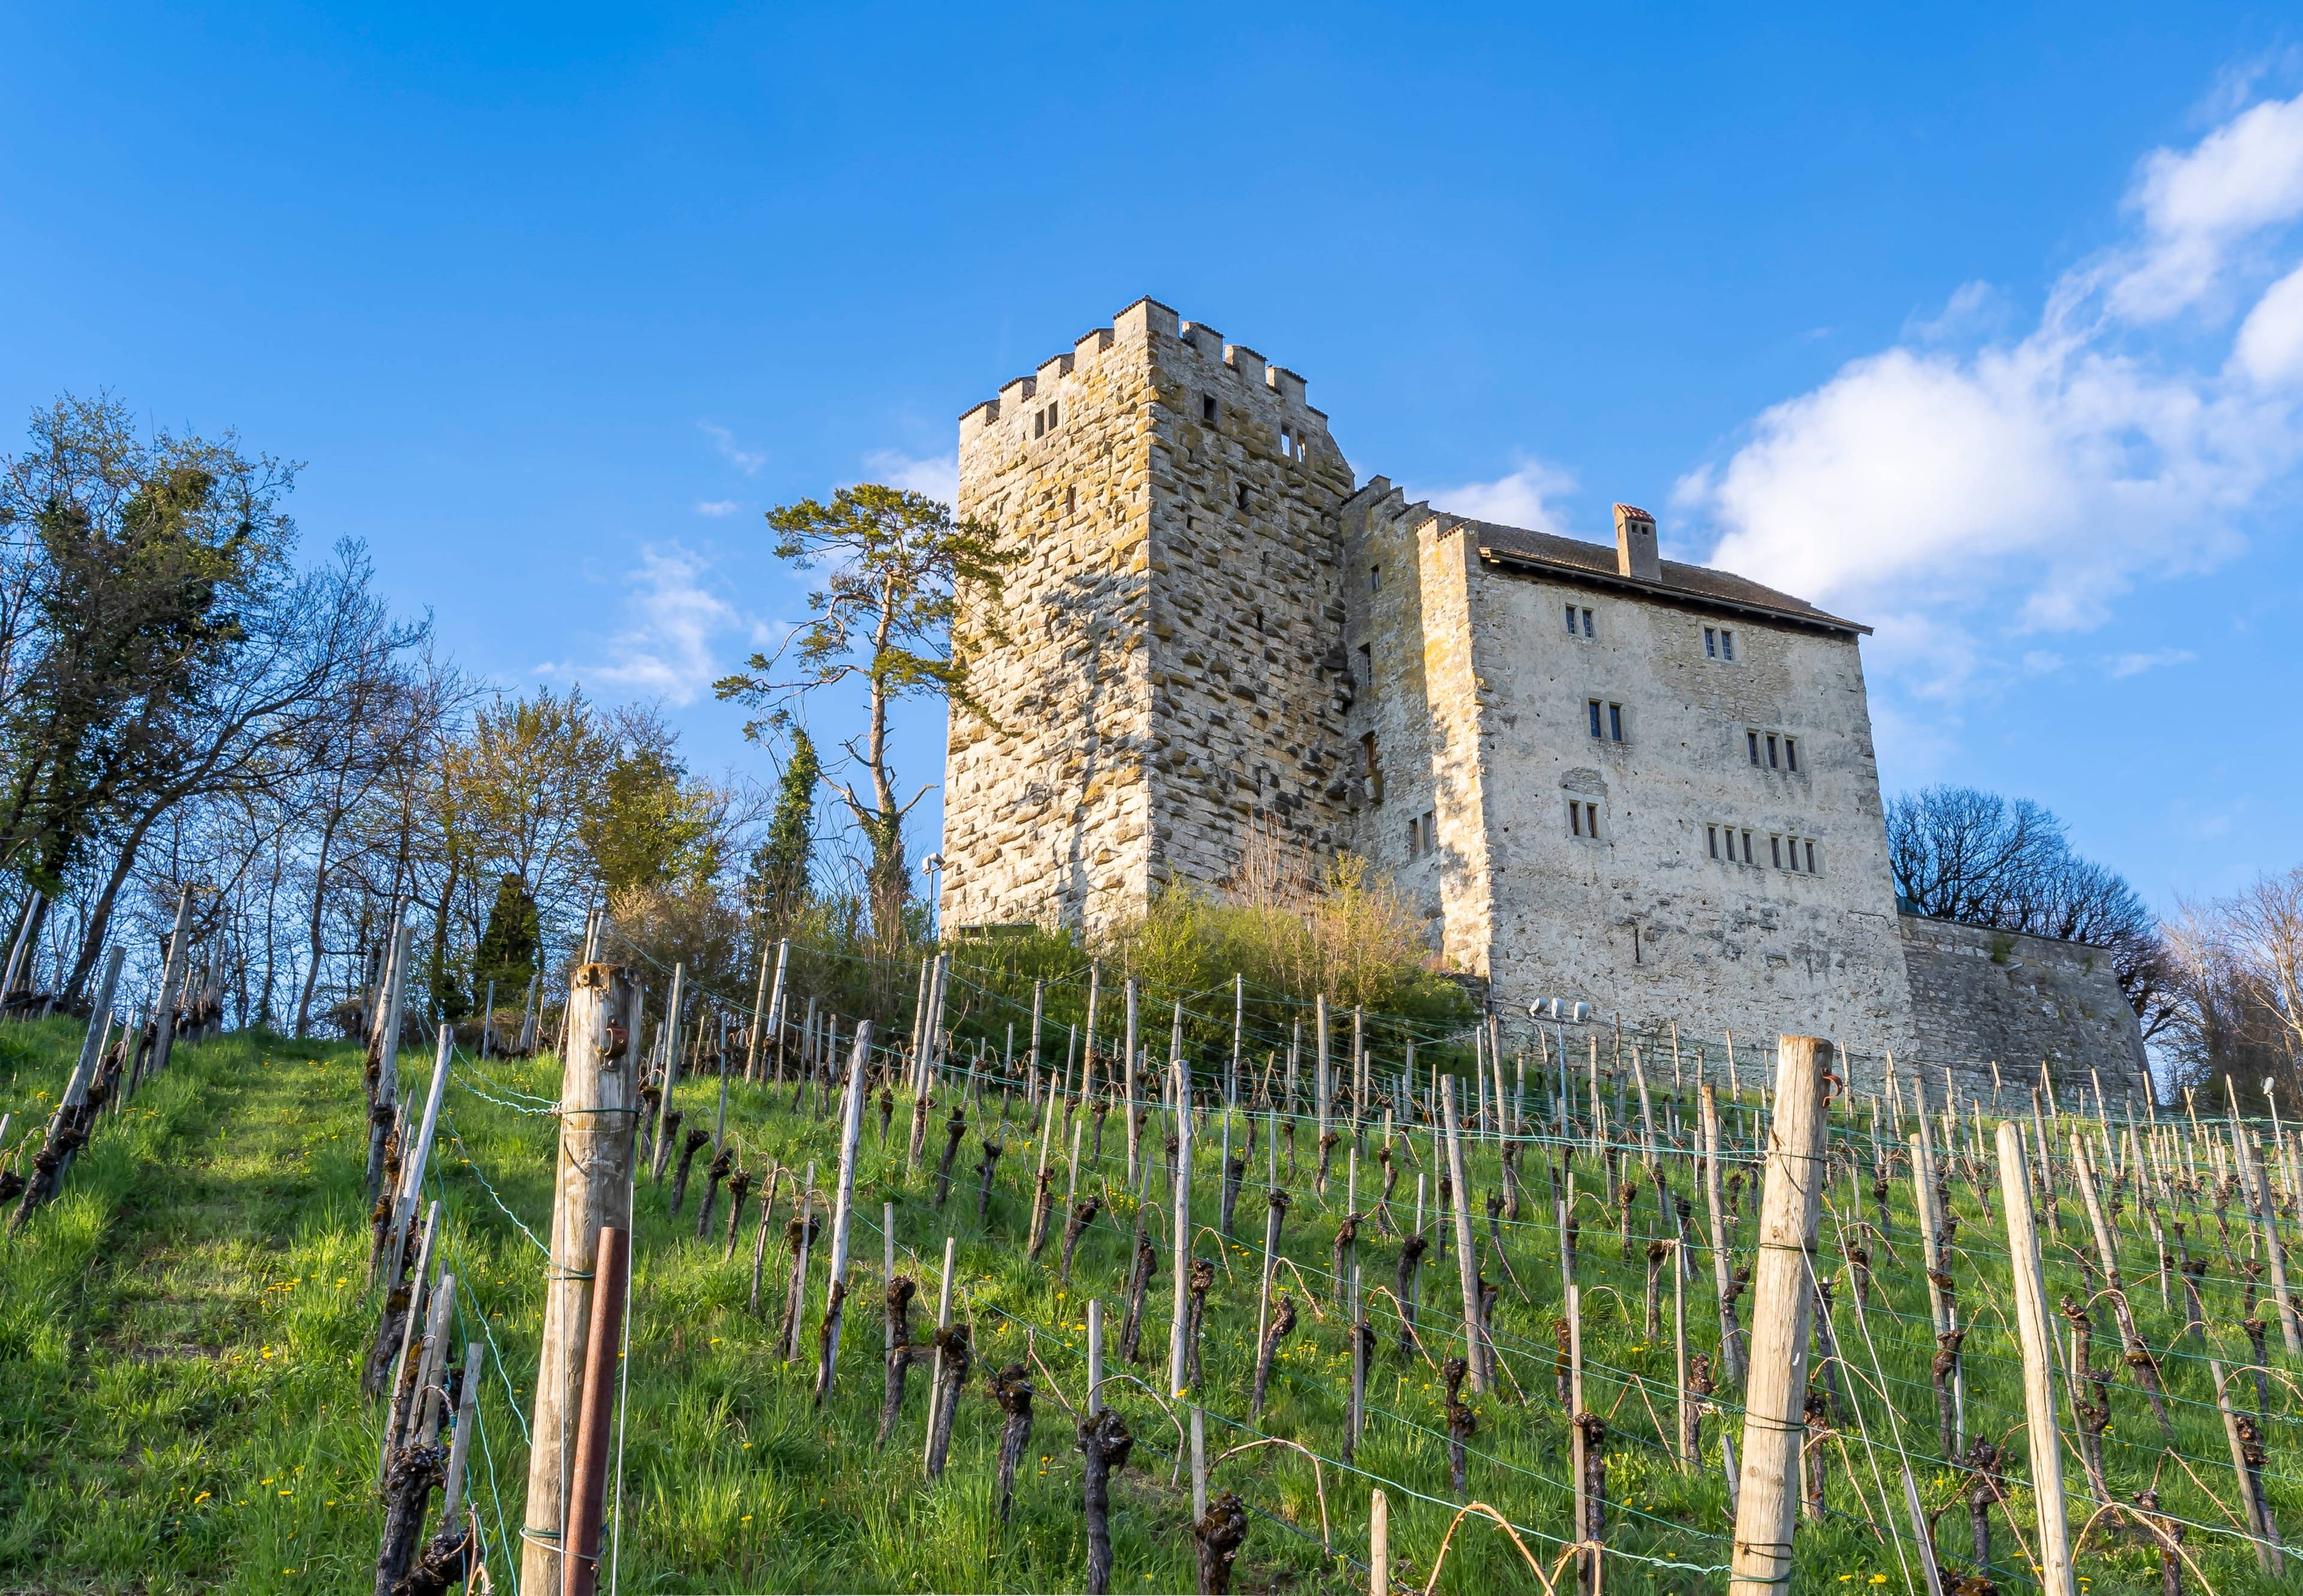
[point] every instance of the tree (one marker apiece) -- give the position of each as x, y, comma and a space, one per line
2237, 964
779, 868
1960, 854
891, 615
509, 946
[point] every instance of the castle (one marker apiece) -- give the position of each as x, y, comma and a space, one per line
1599, 775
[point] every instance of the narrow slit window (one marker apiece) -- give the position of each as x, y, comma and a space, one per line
1587, 625
1747, 848
1711, 837
1287, 441
1592, 707
1775, 850
1811, 870
1375, 578
1753, 738
1791, 755
1052, 413
1039, 423
1367, 666
1208, 409
1726, 645
1574, 818
1591, 818
1071, 501
1571, 621
1616, 723
1241, 496
1710, 643
1414, 837
1771, 753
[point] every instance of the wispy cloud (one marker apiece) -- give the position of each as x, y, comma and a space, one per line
1964, 497
667, 649
1529, 496
935, 474
746, 460
716, 508
2124, 665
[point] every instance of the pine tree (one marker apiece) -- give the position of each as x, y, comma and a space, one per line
509, 947
780, 869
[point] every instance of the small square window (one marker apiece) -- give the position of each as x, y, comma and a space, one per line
1726, 644
1208, 409
1616, 723
1592, 707
1710, 643
1791, 755
1752, 738
1711, 837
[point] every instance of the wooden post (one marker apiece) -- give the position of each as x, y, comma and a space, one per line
1095, 1397
1774, 1397
468, 1400
943, 1322
764, 1003
2268, 1554
1731, 1345
599, 1096
2038, 1363
1128, 1078
1679, 1350
1180, 1252
1379, 1544
843, 1202
671, 1031
612, 1281
1466, 1267
1576, 1442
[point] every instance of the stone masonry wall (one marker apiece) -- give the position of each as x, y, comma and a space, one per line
1980, 996
1047, 810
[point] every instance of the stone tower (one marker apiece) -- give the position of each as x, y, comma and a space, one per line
1176, 683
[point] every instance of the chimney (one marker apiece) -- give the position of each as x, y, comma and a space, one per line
1635, 543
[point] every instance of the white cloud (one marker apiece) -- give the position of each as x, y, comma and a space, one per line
2270, 345
2043, 662
1961, 498
667, 649
937, 476
1528, 497
717, 508
746, 460
2199, 206
2124, 665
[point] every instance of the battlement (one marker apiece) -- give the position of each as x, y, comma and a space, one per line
1147, 324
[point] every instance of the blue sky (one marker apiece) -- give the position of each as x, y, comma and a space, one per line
1978, 323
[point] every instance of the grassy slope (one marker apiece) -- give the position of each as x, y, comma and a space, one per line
180, 1336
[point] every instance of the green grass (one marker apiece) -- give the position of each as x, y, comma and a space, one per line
181, 1333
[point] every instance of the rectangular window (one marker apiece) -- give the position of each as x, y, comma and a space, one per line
1367, 666
1591, 818
1071, 501
1747, 848
1571, 621
1616, 723
1414, 837
1791, 755
1711, 836
1775, 850
1592, 705
1574, 818
1587, 624
1726, 644
1811, 870
1375, 578
1753, 738
1039, 423
1710, 643
1208, 409
1771, 752
1051, 414
1287, 441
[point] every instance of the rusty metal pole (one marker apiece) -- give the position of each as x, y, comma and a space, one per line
610, 1282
